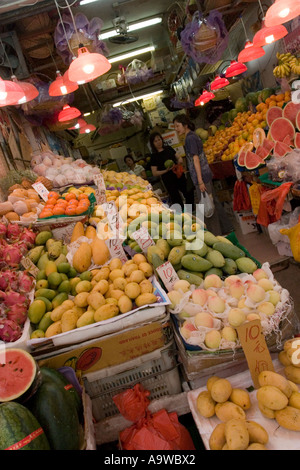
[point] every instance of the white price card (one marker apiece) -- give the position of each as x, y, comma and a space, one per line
41, 190
29, 266
168, 275
116, 249
114, 219
100, 190
143, 239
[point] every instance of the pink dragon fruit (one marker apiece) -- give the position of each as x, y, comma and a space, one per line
28, 236
17, 313
22, 246
10, 331
11, 298
2, 230
9, 279
25, 282
12, 256
13, 232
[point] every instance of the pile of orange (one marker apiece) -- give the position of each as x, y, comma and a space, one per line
69, 205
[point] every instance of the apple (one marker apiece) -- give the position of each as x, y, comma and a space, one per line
256, 293
236, 289
204, 319
199, 297
266, 284
175, 297
260, 274
216, 304
213, 281
229, 334
267, 308
236, 317
230, 279
274, 297
187, 328
213, 339
182, 285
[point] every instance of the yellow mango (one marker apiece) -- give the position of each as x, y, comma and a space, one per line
82, 257
91, 232
78, 231
100, 252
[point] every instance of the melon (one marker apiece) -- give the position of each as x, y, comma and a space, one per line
298, 121
253, 161
242, 153
273, 113
268, 145
258, 136
297, 140
169, 163
241, 105
288, 140
18, 371
281, 149
262, 152
280, 128
290, 111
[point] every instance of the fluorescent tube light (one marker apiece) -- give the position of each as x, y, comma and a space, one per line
127, 55
131, 27
85, 2
142, 97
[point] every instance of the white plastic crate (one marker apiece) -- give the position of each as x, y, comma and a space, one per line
156, 371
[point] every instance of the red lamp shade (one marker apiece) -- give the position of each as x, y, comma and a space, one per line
10, 93
250, 52
30, 91
87, 129
68, 113
218, 83
204, 98
269, 35
235, 68
80, 123
61, 86
87, 66
282, 11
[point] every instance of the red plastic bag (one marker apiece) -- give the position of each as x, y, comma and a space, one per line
178, 170
271, 204
241, 198
158, 431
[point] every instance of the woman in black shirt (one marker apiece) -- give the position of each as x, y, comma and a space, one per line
160, 154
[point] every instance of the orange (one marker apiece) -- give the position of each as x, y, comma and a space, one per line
51, 201
58, 210
70, 196
70, 211
82, 196
73, 202
53, 194
80, 210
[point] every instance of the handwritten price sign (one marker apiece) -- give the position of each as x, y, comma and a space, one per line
143, 239
41, 190
114, 219
255, 348
116, 249
168, 275
100, 190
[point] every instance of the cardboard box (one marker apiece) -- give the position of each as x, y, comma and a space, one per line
111, 350
246, 221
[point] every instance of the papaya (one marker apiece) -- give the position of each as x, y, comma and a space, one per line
91, 232
78, 232
193, 262
82, 258
100, 252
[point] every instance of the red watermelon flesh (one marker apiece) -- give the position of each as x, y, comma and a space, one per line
290, 111
298, 121
17, 372
241, 159
297, 140
252, 160
268, 145
281, 149
280, 129
262, 152
288, 140
273, 113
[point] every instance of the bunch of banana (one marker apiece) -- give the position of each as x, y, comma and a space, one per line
282, 70
295, 66
285, 58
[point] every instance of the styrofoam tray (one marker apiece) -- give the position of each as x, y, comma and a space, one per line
279, 438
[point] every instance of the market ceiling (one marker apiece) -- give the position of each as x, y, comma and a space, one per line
33, 22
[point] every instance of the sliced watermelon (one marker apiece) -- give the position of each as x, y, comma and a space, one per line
290, 111
262, 152
258, 136
268, 145
297, 140
281, 149
273, 113
280, 129
18, 371
253, 161
298, 121
288, 140
241, 158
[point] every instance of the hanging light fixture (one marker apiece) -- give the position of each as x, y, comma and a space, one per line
219, 82
87, 66
87, 129
68, 113
282, 11
204, 98
30, 91
80, 123
10, 92
61, 86
250, 52
235, 68
268, 35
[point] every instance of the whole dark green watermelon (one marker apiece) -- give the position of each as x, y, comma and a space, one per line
19, 429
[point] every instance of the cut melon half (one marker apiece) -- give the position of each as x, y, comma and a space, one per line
281, 128
17, 373
273, 113
281, 149
253, 161
242, 153
258, 137
298, 121
268, 145
262, 152
290, 111
297, 140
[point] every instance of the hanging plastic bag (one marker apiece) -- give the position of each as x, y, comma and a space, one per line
294, 235
178, 170
241, 199
255, 196
271, 204
158, 431
208, 203
137, 72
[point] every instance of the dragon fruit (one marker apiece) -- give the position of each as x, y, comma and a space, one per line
10, 331
11, 255
17, 313
28, 236
2, 230
9, 279
13, 232
11, 298
25, 282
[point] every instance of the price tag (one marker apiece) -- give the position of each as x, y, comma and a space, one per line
29, 266
100, 190
168, 275
255, 348
149, 187
116, 249
114, 219
41, 190
143, 239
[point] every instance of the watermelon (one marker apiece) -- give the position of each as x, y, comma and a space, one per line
280, 128
18, 374
169, 163
298, 121
253, 161
232, 114
19, 429
241, 105
273, 113
281, 149
258, 136
297, 140
242, 153
264, 94
252, 97
290, 111
288, 140
268, 145
262, 152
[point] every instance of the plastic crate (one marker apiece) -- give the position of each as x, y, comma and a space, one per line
157, 372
